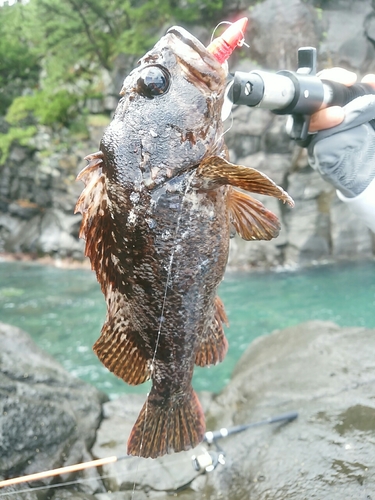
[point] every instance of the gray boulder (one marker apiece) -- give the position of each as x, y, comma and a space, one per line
48, 418
324, 372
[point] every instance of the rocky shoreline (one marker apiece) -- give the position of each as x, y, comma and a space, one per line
324, 372
46, 260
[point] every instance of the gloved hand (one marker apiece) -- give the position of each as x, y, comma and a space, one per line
343, 150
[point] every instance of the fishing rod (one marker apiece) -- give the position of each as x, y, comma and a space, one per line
299, 94
61, 470
207, 461
210, 459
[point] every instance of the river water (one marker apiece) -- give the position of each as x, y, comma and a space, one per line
63, 310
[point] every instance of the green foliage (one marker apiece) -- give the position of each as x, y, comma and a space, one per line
51, 52
47, 107
18, 60
21, 135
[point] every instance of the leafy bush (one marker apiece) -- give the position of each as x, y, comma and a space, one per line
47, 107
21, 135
52, 50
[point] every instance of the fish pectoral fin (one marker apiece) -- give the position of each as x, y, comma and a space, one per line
216, 171
119, 348
251, 219
167, 425
213, 345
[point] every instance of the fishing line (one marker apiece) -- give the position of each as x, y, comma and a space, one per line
85, 480
240, 43
231, 124
169, 272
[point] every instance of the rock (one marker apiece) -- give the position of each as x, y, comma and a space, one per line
323, 371
48, 418
67, 494
350, 237
52, 232
278, 29
345, 41
168, 473
327, 453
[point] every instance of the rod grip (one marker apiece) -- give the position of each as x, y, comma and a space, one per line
341, 94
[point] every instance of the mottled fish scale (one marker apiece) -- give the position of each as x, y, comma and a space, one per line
157, 210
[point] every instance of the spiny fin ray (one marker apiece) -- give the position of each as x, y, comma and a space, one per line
251, 219
118, 348
217, 171
213, 344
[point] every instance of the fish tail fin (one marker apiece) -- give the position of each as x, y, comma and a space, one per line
167, 425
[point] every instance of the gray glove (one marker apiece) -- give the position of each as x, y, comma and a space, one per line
345, 155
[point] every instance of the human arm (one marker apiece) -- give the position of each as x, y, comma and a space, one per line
343, 149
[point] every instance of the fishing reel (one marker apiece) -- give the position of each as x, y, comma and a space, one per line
298, 94
208, 460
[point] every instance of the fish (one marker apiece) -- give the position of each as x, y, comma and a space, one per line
159, 204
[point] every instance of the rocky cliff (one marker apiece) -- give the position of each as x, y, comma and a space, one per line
38, 189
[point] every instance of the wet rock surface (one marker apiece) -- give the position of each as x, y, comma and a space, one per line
327, 374
48, 418
324, 372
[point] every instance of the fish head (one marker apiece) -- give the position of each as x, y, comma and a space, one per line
169, 116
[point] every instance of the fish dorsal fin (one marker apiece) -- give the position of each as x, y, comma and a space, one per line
213, 343
121, 347
251, 218
216, 171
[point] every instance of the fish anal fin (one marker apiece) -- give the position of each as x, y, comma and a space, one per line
167, 425
251, 219
119, 347
215, 171
213, 345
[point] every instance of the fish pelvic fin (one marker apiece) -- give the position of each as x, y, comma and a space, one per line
119, 348
251, 218
167, 425
216, 171
213, 345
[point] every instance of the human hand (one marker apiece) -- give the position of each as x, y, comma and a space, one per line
334, 115
343, 149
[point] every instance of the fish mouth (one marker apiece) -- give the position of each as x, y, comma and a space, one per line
199, 64
190, 40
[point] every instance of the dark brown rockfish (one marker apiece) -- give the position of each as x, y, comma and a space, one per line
158, 208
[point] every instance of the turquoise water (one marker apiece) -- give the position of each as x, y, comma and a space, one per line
63, 310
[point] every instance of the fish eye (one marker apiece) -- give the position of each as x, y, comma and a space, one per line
153, 81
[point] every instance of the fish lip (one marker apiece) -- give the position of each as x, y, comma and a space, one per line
193, 42
201, 69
